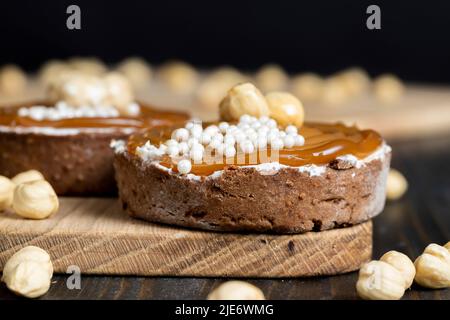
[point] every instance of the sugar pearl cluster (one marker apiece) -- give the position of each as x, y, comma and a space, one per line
193, 142
62, 110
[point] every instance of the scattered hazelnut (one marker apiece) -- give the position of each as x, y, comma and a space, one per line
243, 99
6, 193
35, 200
51, 71
402, 263
28, 272
307, 87
13, 80
120, 93
355, 81
379, 280
236, 290
271, 77
137, 71
88, 65
27, 176
447, 246
285, 108
388, 88
334, 92
396, 185
433, 267
179, 77
216, 85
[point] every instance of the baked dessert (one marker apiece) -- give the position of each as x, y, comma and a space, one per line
68, 139
254, 174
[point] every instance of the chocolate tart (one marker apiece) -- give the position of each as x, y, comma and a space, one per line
73, 154
336, 179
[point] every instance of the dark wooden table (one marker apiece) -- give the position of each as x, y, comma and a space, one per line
422, 216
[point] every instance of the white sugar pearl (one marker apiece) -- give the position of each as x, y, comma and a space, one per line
289, 141
220, 149
184, 148
240, 136
247, 146
256, 125
229, 151
271, 123
184, 166
172, 151
245, 118
229, 139
261, 143
282, 134
211, 130
291, 129
196, 131
263, 130
264, 119
192, 141
223, 126
196, 155
215, 144
243, 126
299, 140
276, 144
272, 136
162, 148
217, 136
189, 125
205, 138
181, 134
171, 142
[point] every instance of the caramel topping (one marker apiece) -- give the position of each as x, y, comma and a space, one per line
148, 118
323, 143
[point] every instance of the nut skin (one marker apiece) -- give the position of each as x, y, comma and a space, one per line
433, 267
28, 272
285, 108
396, 185
236, 290
35, 200
379, 280
243, 99
6, 193
27, 176
403, 264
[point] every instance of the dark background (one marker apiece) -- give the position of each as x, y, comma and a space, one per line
322, 36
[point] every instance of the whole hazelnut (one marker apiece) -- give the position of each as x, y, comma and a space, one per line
6, 193
308, 87
88, 65
13, 80
355, 81
120, 93
236, 290
396, 185
179, 77
388, 88
138, 72
433, 267
271, 77
285, 108
27, 176
403, 264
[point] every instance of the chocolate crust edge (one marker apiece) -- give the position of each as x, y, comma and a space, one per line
244, 200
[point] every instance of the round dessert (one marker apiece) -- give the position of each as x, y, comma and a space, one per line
69, 144
253, 175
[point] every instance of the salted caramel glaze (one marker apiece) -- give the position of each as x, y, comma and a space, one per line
148, 118
323, 143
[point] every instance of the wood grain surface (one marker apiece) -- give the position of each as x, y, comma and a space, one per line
95, 235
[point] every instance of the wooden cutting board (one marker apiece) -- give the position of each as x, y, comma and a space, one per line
95, 235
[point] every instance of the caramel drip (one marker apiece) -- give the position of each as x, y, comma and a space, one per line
323, 143
148, 118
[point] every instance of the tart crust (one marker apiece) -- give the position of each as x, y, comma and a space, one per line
287, 200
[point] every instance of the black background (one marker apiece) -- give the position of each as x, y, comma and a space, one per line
322, 36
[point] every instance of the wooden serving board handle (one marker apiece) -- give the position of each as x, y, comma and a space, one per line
98, 237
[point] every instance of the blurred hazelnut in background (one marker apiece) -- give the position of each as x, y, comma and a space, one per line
179, 77
137, 71
88, 65
355, 81
396, 185
388, 88
271, 77
13, 80
308, 87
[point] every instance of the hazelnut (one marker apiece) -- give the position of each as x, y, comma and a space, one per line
88, 66
307, 87
433, 267
27, 176
402, 263
334, 92
388, 88
396, 185
285, 108
35, 200
216, 85
51, 71
379, 280
271, 77
236, 290
137, 71
243, 99
179, 77
355, 81
28, 272
120, 93
13, 80
6, 193
447, 246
